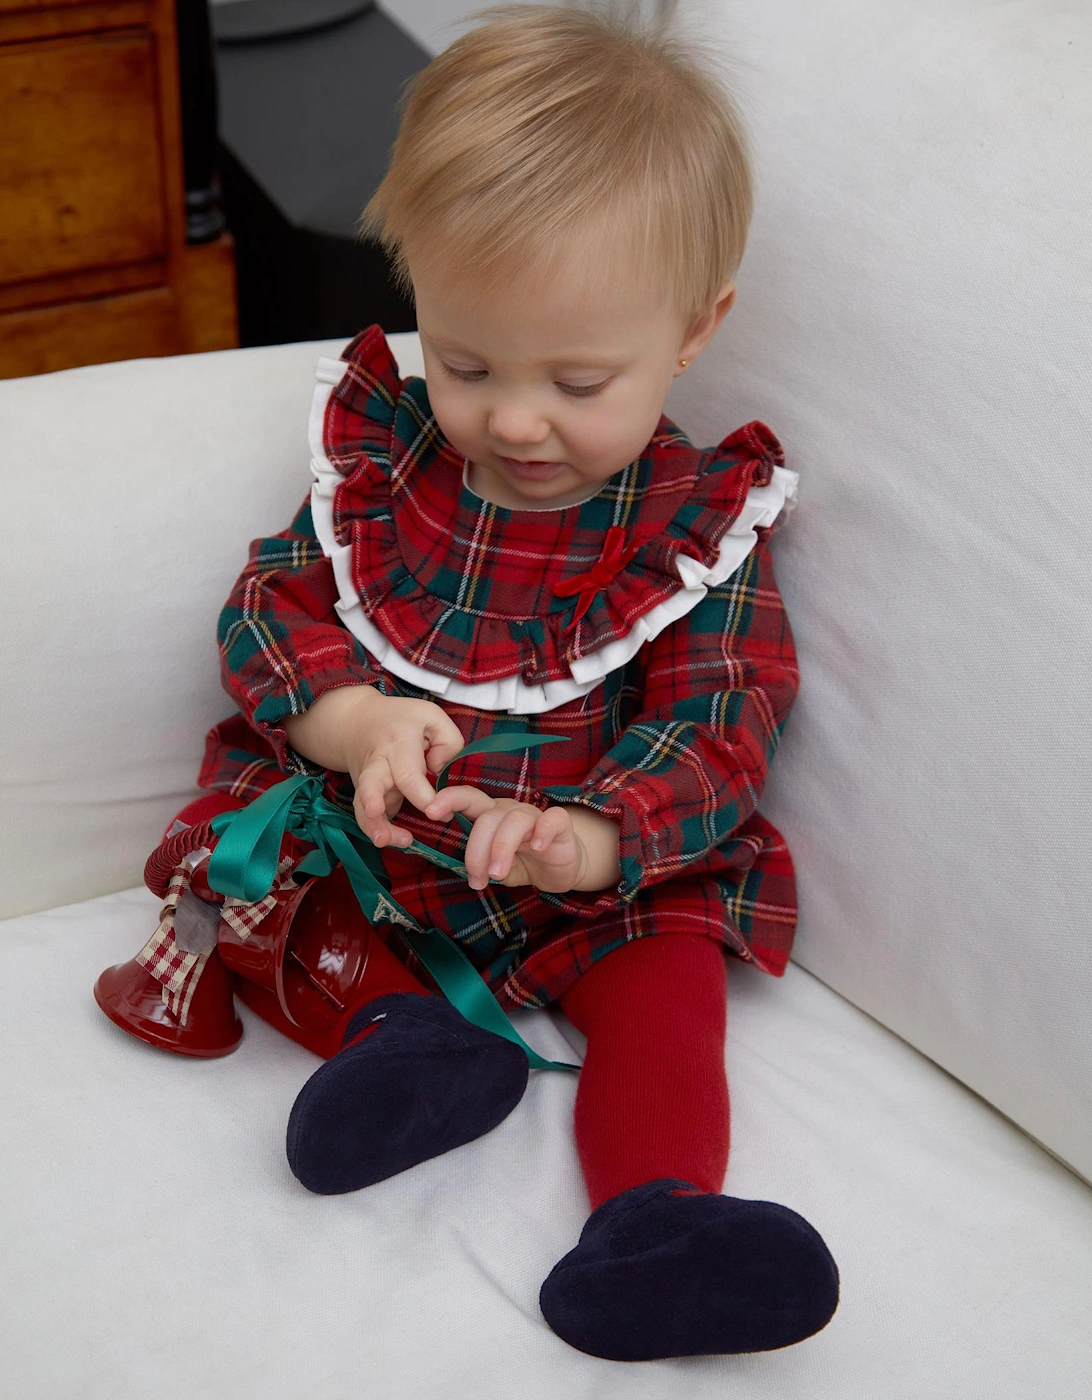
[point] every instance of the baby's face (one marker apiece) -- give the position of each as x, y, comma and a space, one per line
551, 386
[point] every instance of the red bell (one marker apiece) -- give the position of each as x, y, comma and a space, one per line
133, 1000
310, 951
301, 967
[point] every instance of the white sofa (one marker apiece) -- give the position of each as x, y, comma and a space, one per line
913, 322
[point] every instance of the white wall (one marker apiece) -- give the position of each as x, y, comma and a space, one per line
435, 23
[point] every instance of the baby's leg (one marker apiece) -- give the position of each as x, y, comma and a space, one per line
652, 1100
666, 1266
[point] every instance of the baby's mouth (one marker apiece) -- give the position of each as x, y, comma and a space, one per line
533, 471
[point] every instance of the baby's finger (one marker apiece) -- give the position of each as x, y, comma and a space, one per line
409, 778
552, 824
479, 846
469, 800
444, 741
373, 785
513, 831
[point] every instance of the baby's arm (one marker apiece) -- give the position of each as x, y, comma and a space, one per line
282, 643
689, 769
305, 683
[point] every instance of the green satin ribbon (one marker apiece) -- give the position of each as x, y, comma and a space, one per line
244, 866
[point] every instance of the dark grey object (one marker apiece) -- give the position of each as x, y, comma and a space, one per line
239, 21
307, 121
197, 77
196, 923
312, 117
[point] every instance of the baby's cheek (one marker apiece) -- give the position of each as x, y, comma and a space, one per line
452, 417
614, 437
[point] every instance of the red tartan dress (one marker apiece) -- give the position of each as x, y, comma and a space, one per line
668, 665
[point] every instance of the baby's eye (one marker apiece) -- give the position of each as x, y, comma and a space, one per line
584, 391
471, 375
576, 391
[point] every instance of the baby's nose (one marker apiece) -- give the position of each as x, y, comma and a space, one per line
517, 427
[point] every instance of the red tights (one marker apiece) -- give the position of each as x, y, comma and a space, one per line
652, 1100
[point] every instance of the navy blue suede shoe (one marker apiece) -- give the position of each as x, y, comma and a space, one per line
666, 1270
423, 1081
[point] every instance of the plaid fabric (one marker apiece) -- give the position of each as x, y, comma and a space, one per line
675, 745
467, 589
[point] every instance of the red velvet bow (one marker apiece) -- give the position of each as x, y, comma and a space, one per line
614, 558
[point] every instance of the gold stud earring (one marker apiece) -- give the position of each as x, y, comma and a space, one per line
683, 363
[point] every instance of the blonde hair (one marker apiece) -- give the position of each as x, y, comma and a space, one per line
539, 125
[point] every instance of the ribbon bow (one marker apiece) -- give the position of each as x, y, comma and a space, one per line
614, 558
244, 866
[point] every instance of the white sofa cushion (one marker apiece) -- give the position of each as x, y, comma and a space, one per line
131, 492
914, 321
156, 1245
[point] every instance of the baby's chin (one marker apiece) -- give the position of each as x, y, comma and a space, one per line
513, 486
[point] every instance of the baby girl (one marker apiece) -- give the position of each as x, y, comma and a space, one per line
522, 544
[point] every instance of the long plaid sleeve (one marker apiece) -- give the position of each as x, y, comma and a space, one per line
688, 771
282, 644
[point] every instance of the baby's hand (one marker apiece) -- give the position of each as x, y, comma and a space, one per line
513, 842
391, 746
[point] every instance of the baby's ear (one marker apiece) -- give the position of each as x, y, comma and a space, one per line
727, 298
707, 325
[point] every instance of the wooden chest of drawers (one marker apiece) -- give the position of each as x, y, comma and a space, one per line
94, 264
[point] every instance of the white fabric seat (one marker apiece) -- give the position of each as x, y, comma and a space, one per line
155, 1243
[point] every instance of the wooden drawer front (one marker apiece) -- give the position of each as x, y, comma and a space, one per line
81, 184
89, 332
46, 21
36, 4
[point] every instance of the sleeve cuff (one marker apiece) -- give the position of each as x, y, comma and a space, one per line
589, 903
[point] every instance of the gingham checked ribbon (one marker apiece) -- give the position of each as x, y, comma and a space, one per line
179, 971
244, 918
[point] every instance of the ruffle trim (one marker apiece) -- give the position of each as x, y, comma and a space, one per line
762, 506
